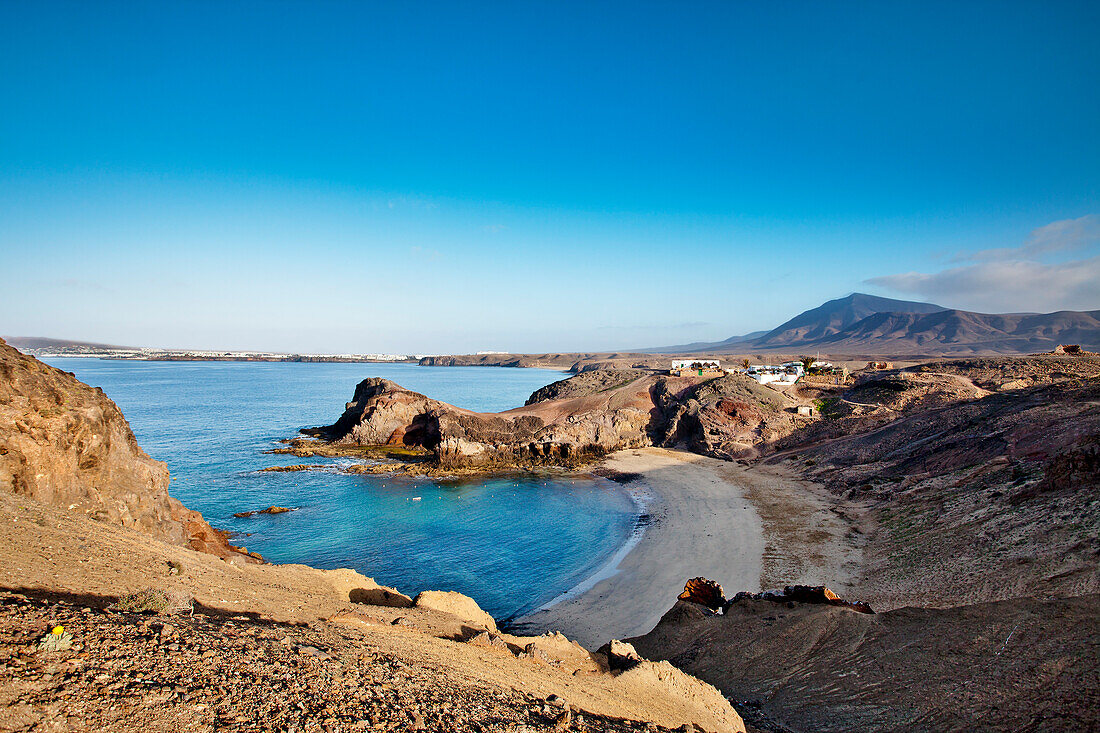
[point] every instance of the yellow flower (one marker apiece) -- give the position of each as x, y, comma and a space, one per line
58, 630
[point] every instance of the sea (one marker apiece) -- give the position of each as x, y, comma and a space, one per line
513, 543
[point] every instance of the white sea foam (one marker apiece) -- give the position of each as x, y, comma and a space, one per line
642, 499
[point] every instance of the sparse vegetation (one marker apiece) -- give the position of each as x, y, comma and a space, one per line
155, 601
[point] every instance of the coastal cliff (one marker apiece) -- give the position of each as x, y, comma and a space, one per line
66, 444
384, 413
571, 421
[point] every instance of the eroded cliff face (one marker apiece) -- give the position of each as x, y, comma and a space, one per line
587, 416
384, 413
65, 443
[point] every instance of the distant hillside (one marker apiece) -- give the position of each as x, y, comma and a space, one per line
867, 324
962, 332
699, 347
835, 316
35, 343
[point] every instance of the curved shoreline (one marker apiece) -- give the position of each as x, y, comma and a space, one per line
642, 502
701, 524
748, 528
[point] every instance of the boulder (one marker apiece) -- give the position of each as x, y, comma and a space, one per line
620, 655
456, 604
704, 592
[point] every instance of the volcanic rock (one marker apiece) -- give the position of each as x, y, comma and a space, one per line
704, 592
65, 443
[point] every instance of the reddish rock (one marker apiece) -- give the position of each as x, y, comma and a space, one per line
704, 592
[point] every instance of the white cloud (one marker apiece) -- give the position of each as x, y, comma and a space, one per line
1011, 286
428, 254
1016, 279
1067, 235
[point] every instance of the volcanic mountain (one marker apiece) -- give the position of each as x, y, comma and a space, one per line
868, 324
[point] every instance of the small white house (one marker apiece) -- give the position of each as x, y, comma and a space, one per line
696, 367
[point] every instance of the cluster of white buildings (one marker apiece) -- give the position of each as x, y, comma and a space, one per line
780, 375
786, 373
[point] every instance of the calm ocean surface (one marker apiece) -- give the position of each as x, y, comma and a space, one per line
513, 544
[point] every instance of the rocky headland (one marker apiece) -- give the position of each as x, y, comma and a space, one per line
567, 423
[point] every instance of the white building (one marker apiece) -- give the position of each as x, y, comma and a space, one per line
782, 375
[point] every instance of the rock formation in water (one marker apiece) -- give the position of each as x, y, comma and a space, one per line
65, 443
384, 413
587, 416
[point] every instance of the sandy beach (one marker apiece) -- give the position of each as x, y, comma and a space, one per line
738, 526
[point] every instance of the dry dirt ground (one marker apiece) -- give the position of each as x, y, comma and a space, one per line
51, 553
132, 672
1024, 664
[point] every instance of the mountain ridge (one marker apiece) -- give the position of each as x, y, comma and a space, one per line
862, 323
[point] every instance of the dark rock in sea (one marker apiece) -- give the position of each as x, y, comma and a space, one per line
269, 510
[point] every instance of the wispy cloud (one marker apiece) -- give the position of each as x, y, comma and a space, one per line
428, 254
85, 286
1016, 279
1010, 286
1066, 235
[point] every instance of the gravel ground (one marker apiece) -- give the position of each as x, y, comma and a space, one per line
140, 672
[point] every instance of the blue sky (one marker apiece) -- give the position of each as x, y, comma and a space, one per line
447, 177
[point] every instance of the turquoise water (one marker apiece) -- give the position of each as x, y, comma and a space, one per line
511, 543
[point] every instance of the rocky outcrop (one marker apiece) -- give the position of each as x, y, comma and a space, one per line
707, 593
384, 413
704, 592
456, 604
588, 382
792, 594
620, 655
729, 417
568, 422
65, 443
1021, 664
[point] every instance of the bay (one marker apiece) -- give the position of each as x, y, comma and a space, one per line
512, 542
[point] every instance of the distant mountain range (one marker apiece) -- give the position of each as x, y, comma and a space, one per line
869, 324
